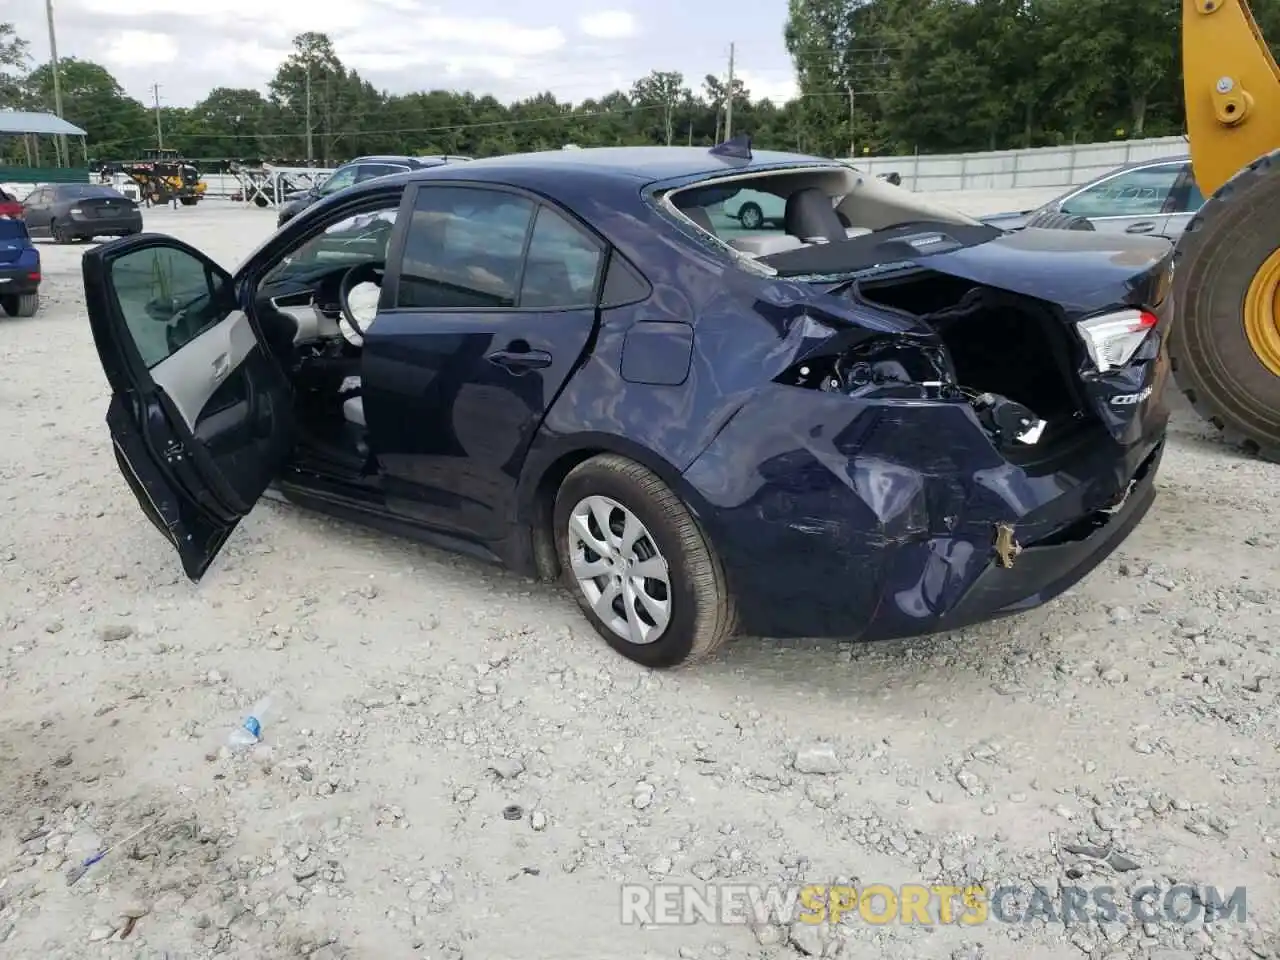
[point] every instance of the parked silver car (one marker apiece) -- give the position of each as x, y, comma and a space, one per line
1157, 197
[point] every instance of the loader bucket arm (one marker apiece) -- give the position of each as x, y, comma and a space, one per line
1232, 87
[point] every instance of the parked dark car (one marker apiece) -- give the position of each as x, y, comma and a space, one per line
1156, 197
10, 206
80, 211
888, 421
357, 171
19, 270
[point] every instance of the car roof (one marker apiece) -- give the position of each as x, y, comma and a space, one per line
648, 164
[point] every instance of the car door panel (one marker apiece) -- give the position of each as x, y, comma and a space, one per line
456, 377
201, 414
451, 418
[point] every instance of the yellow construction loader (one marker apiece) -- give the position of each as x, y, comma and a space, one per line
1225, 343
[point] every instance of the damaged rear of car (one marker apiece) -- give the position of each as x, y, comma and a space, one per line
956, 423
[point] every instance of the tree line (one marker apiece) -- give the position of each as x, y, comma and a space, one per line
877, 77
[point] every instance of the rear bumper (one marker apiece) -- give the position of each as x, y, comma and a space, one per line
18, 280
104, 227
842, 518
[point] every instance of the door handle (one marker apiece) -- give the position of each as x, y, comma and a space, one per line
221, 367
520, 360
1146, 226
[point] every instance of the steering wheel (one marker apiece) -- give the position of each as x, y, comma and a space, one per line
370, 272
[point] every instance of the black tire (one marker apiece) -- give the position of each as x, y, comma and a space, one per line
1051, 220
58, 232
702, 612
1216, 258
188, 201
260, 201
21, 304
751, 216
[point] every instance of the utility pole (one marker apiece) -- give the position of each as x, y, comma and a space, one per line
853, 153
57, 81
310, 155
728, 100
155, 91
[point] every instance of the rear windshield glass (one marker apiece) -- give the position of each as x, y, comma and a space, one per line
82, 191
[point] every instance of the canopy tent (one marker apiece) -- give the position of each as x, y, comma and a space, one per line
18, 123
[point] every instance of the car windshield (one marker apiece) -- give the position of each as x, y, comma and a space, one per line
360, 238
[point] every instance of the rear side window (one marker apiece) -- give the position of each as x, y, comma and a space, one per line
463, 249
368, 171
562, 265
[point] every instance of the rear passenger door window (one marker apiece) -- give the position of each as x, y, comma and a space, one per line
562, 267
464, 249
368, 171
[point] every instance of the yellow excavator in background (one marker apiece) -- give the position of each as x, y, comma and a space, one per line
1225, 343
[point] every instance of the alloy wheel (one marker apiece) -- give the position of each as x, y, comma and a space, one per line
620, 570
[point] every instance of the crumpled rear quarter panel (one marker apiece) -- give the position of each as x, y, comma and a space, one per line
844, 517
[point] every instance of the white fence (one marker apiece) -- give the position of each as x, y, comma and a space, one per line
1039, 168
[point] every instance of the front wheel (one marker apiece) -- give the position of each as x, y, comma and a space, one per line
638, 564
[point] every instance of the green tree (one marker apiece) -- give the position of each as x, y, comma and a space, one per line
117, 125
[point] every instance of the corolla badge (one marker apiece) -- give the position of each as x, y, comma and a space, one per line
1128, 399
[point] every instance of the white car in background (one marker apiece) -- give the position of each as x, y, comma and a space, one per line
756, 210
1153, 197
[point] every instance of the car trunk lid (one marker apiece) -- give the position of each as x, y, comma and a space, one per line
104, 208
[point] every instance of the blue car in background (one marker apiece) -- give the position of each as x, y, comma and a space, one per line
19, 270
883, 420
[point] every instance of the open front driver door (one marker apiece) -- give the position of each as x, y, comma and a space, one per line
201, 416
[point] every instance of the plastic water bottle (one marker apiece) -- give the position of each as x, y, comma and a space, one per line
249, 733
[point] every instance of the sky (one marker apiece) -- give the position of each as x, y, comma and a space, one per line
501, 47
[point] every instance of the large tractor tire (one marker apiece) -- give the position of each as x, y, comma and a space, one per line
1225, 341
1050, 220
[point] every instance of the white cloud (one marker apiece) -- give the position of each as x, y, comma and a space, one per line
609, 25
141, 47
776, 85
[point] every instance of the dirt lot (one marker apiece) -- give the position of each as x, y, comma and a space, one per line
423, 694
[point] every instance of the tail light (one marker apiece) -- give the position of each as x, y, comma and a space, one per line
1114, 338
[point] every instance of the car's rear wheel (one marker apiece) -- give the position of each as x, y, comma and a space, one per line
639, 566
59, 232
751, 216
21, 304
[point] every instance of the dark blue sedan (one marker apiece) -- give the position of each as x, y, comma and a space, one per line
881, 419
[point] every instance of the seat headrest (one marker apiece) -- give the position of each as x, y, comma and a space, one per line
809, 215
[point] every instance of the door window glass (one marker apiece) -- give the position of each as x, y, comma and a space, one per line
1195, 199
340, 180
355, 239
463, 249
167, 297
370, 170
562, 264
1138, 193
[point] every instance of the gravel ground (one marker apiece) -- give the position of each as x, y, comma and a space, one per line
422, 694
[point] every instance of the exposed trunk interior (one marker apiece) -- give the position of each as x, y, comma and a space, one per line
1005, 354
999, 342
